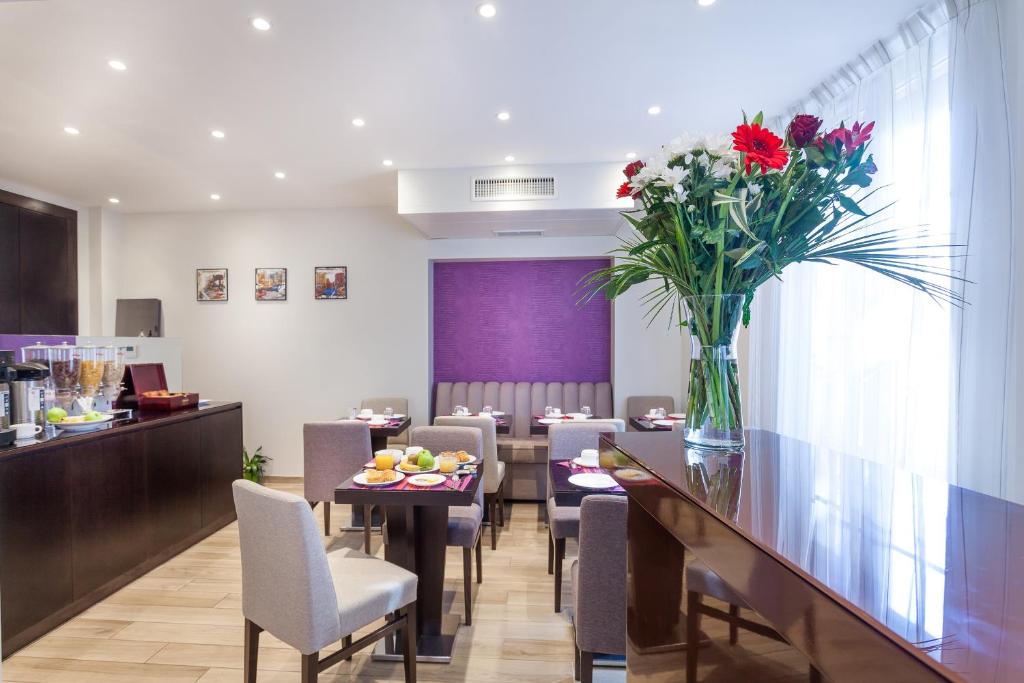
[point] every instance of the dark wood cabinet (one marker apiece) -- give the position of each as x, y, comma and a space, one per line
83, 515
38, 267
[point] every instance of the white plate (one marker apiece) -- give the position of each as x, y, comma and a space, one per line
435, 468
651, 417
664, 423
364, 417
497, 413
577, 416
551, 420
677, 416
585, 463
83, 426
426, 479
397, 416
592, 481
361, 480
377, 423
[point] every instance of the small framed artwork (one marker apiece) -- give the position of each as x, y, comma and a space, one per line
330, 282
211, 284
271, 284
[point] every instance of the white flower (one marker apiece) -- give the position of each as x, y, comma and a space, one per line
670, 177
754, 188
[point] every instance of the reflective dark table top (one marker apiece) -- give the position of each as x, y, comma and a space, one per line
940, 566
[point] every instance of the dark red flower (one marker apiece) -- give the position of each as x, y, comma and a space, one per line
761, 146
632, 169
803, 128
624, 190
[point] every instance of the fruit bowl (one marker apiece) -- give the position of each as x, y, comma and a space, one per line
81, 425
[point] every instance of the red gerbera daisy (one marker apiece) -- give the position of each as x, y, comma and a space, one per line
624, 190
761, 146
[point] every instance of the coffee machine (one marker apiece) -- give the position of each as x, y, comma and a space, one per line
28, 393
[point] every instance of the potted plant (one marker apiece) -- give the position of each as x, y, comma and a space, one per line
252, 465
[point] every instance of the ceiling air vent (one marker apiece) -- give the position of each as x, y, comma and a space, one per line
518, 233
512, 189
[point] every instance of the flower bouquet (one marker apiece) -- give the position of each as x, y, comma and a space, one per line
715, 218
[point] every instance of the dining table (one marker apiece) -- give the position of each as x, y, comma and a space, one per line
569, 494
644, 423
872, 572
539, 428
417, 531
379, 435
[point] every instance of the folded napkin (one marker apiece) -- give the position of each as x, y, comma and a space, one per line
581, 470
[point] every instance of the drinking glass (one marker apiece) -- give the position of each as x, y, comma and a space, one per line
384, 460
660, 412
447, 464
487, 410
389, 412
352, 412
586, 411
547, 411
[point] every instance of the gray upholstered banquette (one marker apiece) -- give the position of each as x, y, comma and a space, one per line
526, 456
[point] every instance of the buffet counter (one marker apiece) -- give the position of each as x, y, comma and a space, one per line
82, 515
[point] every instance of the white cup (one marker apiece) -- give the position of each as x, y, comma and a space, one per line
589, 456
26, 430
579, 416
556, 412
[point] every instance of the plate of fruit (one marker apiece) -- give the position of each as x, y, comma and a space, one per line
77, 423
415, 463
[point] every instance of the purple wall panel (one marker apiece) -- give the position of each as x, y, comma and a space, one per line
14, 342
519, 321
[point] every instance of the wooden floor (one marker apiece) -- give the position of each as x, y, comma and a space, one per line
182, 623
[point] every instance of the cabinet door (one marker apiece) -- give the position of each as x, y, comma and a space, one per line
173, 482
35, 540
49, 274
108, 503
221, 462
10, 289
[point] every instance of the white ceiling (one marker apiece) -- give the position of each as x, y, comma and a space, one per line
428, 76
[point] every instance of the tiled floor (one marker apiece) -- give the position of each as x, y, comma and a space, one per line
182, 623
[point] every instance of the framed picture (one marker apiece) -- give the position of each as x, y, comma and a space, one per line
271, 284
211, 284
330, 282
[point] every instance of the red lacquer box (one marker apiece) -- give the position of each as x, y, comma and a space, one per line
140, 378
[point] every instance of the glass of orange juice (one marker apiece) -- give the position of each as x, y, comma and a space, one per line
384, 460
448, 464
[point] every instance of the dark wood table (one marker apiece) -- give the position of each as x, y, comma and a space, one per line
873, 573
539, 429
567, 493
645, 424
417, 539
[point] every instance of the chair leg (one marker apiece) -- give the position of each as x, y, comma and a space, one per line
693, 599
310, 667
551, 553
252, 650
586, 667
327, 519
576, 662
345, 642
501, 504
367, 521
409, 647
467, 583
559, 556
494, 522
479, 559
734, 630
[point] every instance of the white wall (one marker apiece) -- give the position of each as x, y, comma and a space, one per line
301, 360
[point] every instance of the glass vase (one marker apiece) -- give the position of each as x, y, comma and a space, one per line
714, 418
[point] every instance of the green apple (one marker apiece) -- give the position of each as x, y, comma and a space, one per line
426, 460
56, 414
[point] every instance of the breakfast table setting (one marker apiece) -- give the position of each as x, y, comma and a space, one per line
539, 423
657, 420
415, 488
575, 479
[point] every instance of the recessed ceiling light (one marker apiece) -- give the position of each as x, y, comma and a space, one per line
631, 155
504, 116
705, 3
71, 130
279, 175
219, 134
654, 110
114, 200
358, 123
510, 158
388, 162
486, 10
117, 65
260, 24
215, 197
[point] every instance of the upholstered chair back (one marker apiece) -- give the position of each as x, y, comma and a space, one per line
600, 591
332, 452
286, 582
396, 403
566, 440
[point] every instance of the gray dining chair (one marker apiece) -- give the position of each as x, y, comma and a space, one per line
565, 441
333, 452
701, 581
494, 470
464, 521
399, 405
640, 405
309, 598
599, 583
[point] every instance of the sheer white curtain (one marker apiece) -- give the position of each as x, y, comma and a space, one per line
841, 356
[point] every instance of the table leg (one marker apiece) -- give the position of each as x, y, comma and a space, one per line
416, 541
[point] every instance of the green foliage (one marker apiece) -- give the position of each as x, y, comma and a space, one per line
253, 465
